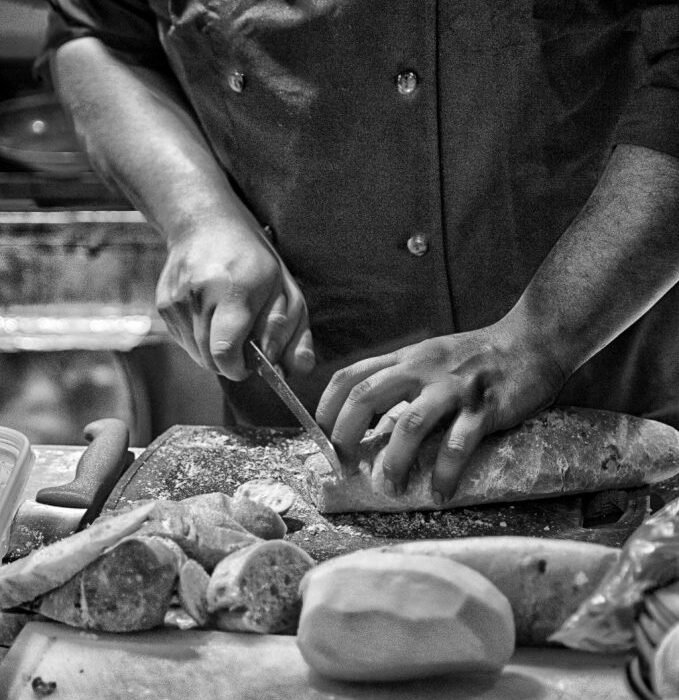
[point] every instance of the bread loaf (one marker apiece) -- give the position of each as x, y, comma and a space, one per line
126, 589
377, 616
558, 452
256, 588
49, 567
544, 580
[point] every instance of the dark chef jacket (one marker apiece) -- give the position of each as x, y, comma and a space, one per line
415, 160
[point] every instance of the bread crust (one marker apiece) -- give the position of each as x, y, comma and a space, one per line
559, 452
49, 567
544, 580
389, 616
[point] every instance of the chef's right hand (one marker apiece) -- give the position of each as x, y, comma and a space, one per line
222, 285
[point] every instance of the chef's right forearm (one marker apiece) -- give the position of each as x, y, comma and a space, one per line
139, 133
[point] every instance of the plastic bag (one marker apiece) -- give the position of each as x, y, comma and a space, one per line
650, 558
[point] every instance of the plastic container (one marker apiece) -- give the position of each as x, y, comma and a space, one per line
16, 462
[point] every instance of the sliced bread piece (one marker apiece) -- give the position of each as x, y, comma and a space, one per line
258, 519
275, 494
128, 588
49, 567
256, 589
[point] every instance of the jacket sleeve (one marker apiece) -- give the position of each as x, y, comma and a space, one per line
129, 26
651, 118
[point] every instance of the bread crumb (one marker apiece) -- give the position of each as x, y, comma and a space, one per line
580, 578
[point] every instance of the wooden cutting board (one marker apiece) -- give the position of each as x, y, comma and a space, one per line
175, 665
187, 460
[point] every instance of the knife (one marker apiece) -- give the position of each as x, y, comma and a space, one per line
267, 371
59, 511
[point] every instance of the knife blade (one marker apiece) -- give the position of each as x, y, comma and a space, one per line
267, 371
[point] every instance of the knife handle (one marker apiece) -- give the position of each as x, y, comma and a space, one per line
98, 470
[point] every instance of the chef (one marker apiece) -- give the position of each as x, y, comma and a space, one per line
451, 212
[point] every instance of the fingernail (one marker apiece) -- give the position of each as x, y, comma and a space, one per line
438, 498
390, 488
306, 360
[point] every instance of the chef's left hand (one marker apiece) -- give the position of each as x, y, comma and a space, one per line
478, 382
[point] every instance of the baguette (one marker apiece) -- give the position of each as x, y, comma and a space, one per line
257, 588
559, 452
544, 580
49, 567
128, 588
388, 616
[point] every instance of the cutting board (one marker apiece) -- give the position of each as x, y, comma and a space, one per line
187, 460
175, 665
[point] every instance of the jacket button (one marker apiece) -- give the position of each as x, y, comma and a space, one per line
406, 82
418, 244
236, 81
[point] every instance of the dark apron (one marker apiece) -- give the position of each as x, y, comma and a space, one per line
416, 161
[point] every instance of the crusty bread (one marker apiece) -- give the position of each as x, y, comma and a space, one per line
558, 452
126, 589
256, 588
213, 508
49, 567
275, 494
258, 518
382, 616
201, 533
219, 510
544, 580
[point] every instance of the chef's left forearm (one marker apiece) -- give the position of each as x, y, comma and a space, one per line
617, 258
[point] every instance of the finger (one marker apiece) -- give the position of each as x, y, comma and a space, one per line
178, 329
274, 331
299, 355
387, 422
373, 395
457, 446
229, 330
202, 329
341, 384
414, 424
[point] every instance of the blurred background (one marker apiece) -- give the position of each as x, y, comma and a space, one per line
79, 335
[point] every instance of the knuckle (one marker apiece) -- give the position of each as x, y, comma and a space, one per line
341, 378
454, 448
361, 392
412, 422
